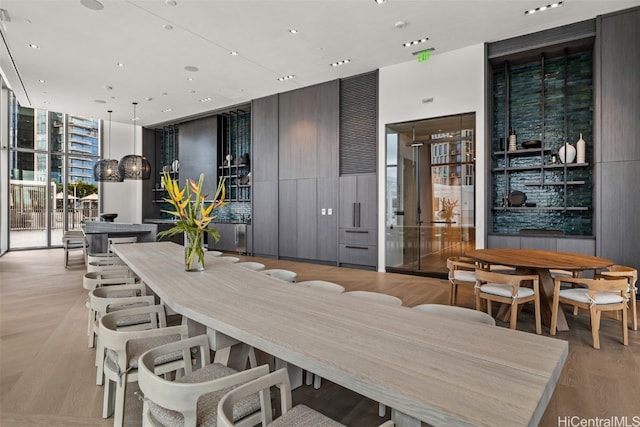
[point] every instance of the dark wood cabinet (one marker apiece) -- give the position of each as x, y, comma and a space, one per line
358, 220
197, 151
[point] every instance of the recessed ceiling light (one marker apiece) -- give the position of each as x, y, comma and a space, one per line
108, 87
165, 93
166, 110
190, 79
46, 102
379, 1
167, 27
542, 8
171, 2
344, 61
205, 99
234, 53
289, 77
92, 4
42, 80
120, 64
293, 31
191, 68
148, 98
34, 46
415, 42
99, 101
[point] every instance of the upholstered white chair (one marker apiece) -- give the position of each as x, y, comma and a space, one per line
376, 297
215, 253
631, 274
192, 398
257, 266
231, 259
106, 264
74, 240
282, 274
462, 272
294, 416
457, 313
124, 347
100, 256
596, 296
120, 241
508, 289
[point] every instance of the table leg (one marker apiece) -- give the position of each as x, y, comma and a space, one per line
546, 300
401, 419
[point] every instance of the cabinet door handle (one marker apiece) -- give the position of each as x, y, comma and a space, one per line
358, 216
357, 231
365, 248
353, 216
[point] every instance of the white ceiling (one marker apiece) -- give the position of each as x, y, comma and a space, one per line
79, 47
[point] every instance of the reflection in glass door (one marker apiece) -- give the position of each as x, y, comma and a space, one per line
430, 206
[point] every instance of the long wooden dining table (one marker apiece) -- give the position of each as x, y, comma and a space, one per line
427, 368
541, 262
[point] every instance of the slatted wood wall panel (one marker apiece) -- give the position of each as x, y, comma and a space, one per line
358, 123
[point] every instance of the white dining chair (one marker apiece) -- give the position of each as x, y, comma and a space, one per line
282, 274
256, 266
120, 241
457, 313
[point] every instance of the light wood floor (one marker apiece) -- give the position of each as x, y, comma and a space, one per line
47, 375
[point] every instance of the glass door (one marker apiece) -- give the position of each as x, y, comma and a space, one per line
430, 207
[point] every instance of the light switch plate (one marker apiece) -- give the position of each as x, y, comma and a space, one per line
330, 211
323, 211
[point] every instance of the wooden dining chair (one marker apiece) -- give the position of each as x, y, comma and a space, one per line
462, 272
596, 296
631, 274
508, 289
74, 240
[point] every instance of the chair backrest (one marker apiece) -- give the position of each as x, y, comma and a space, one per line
323, 285
183, 397
282, 274
457, 313
231, 259
622, 271
116, 339
96, 279
121, 240
611, 285
375, 297
460, 263
262, 386
513, 280
257, 266
75, 238
103, 299
106, 264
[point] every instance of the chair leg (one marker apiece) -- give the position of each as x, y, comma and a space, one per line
308, 378
121, 392
317, 380
382, 409
453, 290
99, 362
625, 332
107, 399
595, 326
634, 309
514, 316
536, 307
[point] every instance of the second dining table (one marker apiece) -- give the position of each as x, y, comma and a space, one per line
541, 262
425, 367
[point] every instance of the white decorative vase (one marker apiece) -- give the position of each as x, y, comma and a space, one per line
567, 153
580, 150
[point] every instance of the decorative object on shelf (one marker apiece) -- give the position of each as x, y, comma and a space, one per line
175, 166
512, 140
554, 159
133, 166
193, 216
245, 159
517, 198
229, 158
106, 170
567, 153
580, 150
532, 143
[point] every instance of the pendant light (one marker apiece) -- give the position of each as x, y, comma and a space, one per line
133, 166
107, 169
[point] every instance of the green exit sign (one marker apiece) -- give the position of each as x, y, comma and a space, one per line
424, 55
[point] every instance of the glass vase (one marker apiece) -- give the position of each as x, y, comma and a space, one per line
194, 251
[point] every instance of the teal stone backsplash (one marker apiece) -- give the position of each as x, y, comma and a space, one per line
549, 100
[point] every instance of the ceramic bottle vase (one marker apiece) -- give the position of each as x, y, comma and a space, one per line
580, 150
567, 153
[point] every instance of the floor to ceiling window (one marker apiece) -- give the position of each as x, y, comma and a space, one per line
51, 186
430, 206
